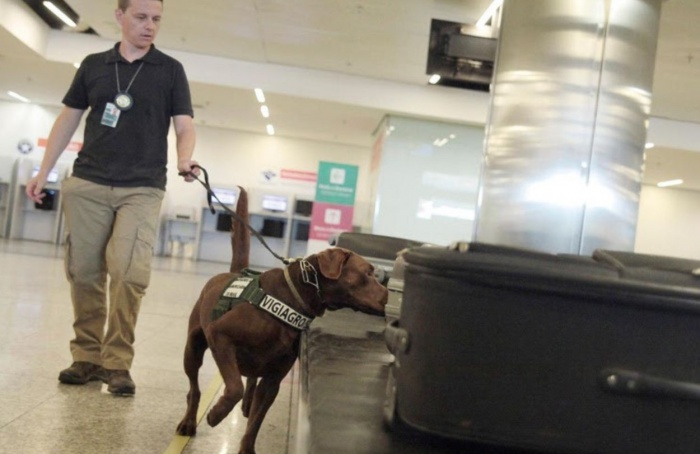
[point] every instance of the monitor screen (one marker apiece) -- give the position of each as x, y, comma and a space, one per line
225, 196
273, 228
302, 232
51, 178
223, 222
274, 203
303, 207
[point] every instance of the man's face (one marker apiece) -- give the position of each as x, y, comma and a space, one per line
140, 22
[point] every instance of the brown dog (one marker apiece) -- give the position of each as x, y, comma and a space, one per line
248, 341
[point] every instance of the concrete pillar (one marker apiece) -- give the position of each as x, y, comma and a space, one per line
565, 138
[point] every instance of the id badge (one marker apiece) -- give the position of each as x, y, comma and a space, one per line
110, 116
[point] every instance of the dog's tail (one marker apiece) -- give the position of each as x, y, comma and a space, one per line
240, 236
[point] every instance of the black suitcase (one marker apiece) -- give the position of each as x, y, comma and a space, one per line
553, 353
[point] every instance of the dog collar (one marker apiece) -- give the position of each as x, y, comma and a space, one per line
247, 288
308, 276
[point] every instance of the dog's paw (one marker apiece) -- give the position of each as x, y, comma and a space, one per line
221, 409
245, 408
187, 428
214, 417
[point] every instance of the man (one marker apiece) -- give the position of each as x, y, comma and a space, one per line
112, 200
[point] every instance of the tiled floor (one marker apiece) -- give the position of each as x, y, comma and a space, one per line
38, 415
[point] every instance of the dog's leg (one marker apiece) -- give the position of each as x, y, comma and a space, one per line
194, 356
250, 385
224, 353
265, 394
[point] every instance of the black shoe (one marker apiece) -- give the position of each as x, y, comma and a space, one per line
81, 372
119, 382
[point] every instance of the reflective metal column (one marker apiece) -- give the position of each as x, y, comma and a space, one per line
567, 127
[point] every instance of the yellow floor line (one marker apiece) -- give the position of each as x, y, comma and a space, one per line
179, 442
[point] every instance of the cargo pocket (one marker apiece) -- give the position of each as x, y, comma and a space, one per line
139, 270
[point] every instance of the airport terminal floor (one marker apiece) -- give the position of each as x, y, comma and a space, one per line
39, 415
336, 389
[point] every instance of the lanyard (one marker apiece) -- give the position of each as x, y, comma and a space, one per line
116, 71
123, 100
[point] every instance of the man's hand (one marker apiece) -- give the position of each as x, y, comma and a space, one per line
189, 169
34, 188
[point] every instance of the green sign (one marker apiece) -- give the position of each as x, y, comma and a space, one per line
336, 183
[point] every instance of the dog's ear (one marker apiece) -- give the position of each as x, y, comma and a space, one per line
331, 261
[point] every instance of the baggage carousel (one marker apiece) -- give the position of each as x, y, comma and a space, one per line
344, 365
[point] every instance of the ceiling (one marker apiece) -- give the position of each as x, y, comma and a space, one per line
376, 39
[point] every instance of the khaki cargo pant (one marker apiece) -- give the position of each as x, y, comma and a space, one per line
111, 232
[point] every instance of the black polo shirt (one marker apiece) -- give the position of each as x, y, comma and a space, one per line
135, 152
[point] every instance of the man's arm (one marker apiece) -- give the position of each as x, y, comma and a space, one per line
62, 131
186, 136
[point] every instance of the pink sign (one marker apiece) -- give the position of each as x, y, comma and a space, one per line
328, 219
300, 175
72, 146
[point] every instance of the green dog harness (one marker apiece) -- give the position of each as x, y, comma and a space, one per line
247, 288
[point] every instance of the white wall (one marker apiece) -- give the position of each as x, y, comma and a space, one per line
20, 121
668, 218
239, 158
231, 157
669, 221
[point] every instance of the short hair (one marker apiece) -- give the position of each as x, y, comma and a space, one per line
124, 4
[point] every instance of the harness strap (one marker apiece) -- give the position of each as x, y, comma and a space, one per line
285, 313
247, 288
237, 291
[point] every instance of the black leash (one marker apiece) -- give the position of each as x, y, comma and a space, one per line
235, 215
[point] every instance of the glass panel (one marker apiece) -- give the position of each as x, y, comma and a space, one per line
427, 179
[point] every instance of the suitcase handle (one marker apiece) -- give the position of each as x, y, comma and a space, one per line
633, 383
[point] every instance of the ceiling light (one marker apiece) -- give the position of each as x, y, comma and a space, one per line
18, 97
265, 111
649, 145
435, 78
76, 65
665, 184
260, 95
271, 130
489, 13
60, 14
